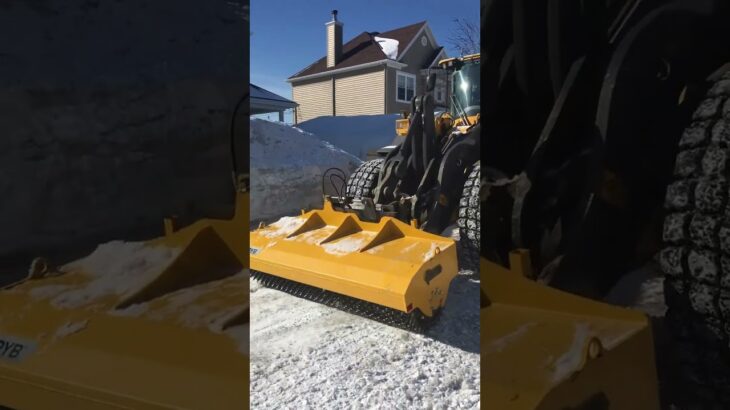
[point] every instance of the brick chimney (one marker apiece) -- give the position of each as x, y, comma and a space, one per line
334, 40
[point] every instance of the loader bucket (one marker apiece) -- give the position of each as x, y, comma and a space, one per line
97, 335
546, 349
388, 263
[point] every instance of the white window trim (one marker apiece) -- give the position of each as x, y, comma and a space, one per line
407, 75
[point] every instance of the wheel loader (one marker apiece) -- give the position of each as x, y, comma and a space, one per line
165, 327
375, 247
605, 130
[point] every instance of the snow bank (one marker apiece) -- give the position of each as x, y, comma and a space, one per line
357, 135
116, 268
389, 46
641, 289
287, 164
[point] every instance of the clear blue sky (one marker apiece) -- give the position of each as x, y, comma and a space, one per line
288, 35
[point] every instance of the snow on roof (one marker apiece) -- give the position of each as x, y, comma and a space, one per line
389, 46
362, 49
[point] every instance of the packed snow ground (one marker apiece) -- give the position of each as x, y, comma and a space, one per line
286, 169
357, 134
306, 355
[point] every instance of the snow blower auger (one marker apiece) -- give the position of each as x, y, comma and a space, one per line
376, 250
136, 336
546, 349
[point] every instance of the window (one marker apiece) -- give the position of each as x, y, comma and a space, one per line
405, 87
439, 93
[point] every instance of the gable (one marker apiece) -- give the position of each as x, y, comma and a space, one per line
415, 46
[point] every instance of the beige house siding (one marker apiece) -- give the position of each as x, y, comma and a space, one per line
314, 98
361, 93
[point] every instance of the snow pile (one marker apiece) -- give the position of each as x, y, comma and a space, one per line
570, 361
357, 134
306, 355
70, 328
641, 289
389, 46
286, 169
192, 306
115, 268
347, 246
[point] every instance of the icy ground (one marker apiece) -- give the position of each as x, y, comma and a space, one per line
306, 355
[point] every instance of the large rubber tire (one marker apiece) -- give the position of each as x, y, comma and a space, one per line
469, 220
361, 183
696, 256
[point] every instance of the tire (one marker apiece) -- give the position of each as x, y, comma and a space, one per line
362, 182
695, 258
469, 220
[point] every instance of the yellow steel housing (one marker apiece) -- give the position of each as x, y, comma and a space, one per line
179, 340
389, 263
401, 127
449, 62
546, 349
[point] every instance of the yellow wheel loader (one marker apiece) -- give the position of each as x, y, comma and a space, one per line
606, 137
374, 248
164, 327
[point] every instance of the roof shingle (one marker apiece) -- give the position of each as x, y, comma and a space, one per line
363, 49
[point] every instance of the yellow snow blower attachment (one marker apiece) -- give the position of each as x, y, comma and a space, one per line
155, 325
387, 270
546, 349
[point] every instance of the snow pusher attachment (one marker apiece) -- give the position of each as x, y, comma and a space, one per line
545, 349
386, 270
166, 327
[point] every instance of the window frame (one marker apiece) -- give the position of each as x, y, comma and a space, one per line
407, 76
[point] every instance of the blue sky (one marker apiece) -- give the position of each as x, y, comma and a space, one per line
288, 35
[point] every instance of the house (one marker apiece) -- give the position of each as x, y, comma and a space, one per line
373, 73
263, 101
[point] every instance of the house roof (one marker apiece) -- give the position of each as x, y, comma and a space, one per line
434, 57
264, 101
363, 49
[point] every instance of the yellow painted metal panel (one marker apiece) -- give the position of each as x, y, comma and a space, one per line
546, 349
389, 263
148, 348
